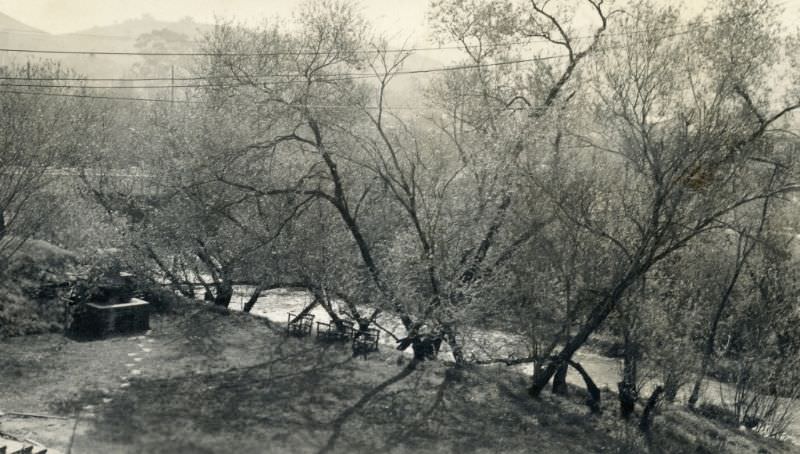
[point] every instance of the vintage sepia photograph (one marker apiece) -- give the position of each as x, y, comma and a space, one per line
406, 227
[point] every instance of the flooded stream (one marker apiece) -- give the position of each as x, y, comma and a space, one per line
276, 304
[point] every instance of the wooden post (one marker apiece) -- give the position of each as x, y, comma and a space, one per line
172, 85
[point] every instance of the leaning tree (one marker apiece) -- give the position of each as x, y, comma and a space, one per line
680, 140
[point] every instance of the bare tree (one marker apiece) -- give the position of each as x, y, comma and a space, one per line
40, 136
684, 144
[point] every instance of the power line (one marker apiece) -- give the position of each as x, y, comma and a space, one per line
149, 79
322, 78
534, 39
334, 77
531, 40
106, 79
75, 95
687, 30
210, 81
269, 54
130, 98
113, 87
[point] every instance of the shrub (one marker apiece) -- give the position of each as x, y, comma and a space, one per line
160, 298
33, 280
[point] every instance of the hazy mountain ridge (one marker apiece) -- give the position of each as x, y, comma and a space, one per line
119, 37
9, 24
145, 24
405, 89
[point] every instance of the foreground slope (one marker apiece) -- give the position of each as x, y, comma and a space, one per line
205, 382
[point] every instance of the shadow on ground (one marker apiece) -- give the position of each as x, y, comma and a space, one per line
323, 400
230, 383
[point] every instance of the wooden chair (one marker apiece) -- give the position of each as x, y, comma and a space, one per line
365, 341
331, 332
300, 326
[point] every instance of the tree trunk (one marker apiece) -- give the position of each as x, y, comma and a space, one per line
628, 394
708, 351
743, 250
542, 376
560, 380
185, 289
596, 318
305, 310
426, 348
339, 201
449, 335
2, 223
322, 298
671, 387
593, 400
646, 422
248, 306
627, 399
224, 293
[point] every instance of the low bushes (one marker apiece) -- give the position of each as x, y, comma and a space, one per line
33, 282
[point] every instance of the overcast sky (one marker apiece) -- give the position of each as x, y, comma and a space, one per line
401, 18
406, 17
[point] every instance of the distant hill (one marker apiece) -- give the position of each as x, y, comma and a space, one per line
404, 90
132, 28
9, 24
120, 37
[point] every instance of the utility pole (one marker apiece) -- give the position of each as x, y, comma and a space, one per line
172, 85
4, 41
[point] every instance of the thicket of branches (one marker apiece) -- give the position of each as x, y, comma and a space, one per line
630, 175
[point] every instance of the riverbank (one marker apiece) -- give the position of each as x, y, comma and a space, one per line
203, 381
275, 304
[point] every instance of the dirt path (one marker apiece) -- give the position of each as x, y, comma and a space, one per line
73, 384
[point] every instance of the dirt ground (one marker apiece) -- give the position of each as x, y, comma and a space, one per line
205, 382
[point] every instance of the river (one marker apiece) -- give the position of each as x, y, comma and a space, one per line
276, 304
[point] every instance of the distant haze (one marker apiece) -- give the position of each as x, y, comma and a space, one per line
114, 26
403, 18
